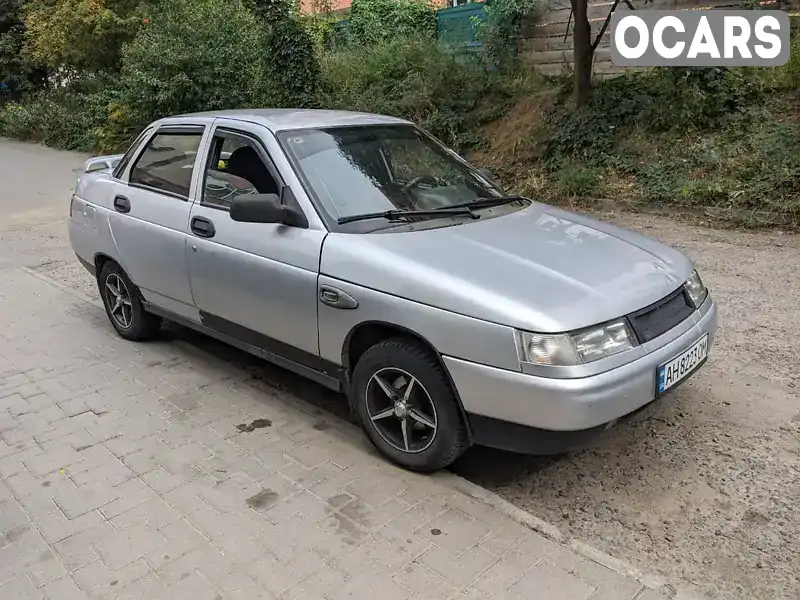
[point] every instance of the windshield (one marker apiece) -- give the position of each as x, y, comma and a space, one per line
357, 170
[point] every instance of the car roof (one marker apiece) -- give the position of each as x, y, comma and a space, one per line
281, 119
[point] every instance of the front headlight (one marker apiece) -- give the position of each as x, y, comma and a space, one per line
602, 341
584, 346
549, 349
696, 289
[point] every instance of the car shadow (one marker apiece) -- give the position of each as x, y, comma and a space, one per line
486, 466
262, 372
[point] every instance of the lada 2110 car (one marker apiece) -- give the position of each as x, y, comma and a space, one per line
360, 252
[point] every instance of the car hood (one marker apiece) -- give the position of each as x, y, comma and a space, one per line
540, 269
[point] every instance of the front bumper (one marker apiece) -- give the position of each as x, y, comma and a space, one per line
495, 397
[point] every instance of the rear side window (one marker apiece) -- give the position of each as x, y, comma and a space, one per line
167, 163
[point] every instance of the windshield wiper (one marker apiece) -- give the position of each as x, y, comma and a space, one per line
487, 202
398, 215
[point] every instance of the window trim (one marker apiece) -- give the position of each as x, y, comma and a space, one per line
174, 129
126, 159
262, 152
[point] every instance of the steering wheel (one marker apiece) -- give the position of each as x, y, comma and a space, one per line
417, 180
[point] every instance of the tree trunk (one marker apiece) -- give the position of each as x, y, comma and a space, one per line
583, 52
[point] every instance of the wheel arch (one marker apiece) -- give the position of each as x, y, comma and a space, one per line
368, 333
100, 260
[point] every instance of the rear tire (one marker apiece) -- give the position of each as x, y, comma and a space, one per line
421, 429
123, 303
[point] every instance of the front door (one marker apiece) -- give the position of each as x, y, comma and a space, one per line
256, 282
150, 215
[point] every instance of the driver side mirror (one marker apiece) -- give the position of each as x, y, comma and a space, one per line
265, 208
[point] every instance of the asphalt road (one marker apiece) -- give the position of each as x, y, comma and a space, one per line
35, 178
704, 486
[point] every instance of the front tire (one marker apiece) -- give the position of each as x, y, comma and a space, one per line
123, 304
406, 405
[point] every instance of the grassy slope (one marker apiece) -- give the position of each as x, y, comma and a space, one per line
746, 171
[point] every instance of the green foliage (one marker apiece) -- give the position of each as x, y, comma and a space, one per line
752, 167
194, 55
416, 79
767, 168
67, 117
80, 34
321, 30
270, 11
574, 180
663, 99
718, 138
375, 21
292, 66
500, 30
787, 77
320, 24
19, 75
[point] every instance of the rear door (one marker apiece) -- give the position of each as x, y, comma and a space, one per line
150, 216
256, 282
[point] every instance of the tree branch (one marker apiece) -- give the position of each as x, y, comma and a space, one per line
569, 20
605, 24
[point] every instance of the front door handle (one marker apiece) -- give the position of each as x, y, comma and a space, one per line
122, 204
336, 298
202, 227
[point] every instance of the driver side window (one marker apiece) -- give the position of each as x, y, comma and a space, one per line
235, 167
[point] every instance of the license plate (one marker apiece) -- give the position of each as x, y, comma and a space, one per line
682, 365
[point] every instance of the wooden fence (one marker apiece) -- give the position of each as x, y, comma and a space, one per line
547, 44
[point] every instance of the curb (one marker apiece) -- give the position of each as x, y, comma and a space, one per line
481, 494
523, 517
61, 286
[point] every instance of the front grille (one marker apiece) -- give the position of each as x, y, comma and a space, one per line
658, 318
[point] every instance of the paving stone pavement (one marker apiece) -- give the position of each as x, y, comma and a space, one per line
152, 471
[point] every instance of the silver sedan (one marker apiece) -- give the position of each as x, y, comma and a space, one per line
360, 252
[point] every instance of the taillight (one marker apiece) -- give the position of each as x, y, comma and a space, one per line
71, 203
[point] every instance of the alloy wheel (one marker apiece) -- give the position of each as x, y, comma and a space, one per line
401, 410
118, 300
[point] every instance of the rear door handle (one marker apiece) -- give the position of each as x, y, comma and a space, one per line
202, 227
122, 204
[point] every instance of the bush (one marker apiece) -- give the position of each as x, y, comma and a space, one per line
657, 101
573, 180
416, 79
80, 34
376, 21
19, 76
320, 25
787, 77
292, 67
768, 168
18, 121
193, 55
500, 30
70, 117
